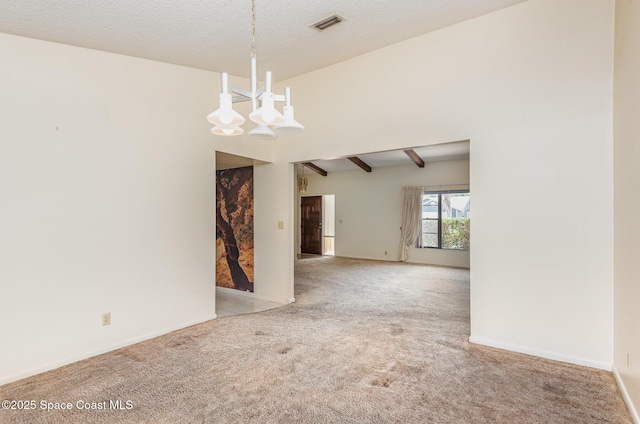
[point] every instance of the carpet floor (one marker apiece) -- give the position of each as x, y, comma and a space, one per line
365, 342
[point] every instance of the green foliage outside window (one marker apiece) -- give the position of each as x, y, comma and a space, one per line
456, 233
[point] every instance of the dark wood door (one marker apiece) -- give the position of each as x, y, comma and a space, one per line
311, 224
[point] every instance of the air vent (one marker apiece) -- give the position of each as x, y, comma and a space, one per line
327, 22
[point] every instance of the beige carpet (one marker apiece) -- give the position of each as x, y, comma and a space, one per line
366, 342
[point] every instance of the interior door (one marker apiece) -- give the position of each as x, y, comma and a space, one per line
311, 225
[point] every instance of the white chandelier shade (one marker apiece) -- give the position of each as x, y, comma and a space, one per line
263, 112
262, 132
225, 115
227, 130
290, 125
267, 113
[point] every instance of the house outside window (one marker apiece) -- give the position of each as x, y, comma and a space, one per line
446, 220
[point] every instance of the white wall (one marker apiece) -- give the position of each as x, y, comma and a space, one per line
273, 247
107, 202
531, 87
369, 209
626, 200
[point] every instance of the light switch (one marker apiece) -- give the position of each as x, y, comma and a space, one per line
280, 225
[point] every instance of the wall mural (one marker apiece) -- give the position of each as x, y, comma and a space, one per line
234, 228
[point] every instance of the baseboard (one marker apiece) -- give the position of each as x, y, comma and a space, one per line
542, 353
387, 259
76, 358
369, 258
466, 268
253, 295
625, 395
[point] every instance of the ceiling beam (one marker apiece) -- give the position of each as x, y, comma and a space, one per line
415, 158
315, 168
360, 163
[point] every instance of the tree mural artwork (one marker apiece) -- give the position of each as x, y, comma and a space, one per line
234, 227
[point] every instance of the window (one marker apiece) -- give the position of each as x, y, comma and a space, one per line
446, 220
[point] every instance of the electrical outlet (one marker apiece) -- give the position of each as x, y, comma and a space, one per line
385, 253
106, 318
629, 360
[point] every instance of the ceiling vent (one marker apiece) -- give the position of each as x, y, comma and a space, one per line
327, 22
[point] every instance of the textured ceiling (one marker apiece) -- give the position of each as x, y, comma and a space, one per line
216, 34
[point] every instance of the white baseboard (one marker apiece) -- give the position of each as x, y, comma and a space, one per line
625, 395
76, 358
542, 353
252, 295
388, 259
369, 258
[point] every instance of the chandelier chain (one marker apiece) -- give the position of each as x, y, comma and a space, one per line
253, 25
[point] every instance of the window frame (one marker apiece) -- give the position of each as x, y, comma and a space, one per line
439, 193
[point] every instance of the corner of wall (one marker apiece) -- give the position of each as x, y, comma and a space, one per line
626, 397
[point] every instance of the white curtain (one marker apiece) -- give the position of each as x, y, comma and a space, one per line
411, 219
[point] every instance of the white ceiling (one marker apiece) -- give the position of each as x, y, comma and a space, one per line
432, 153
216, 34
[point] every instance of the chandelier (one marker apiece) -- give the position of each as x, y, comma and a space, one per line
263, 112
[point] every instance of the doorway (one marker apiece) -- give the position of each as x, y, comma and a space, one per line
311, 225
328, 224
317, 225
